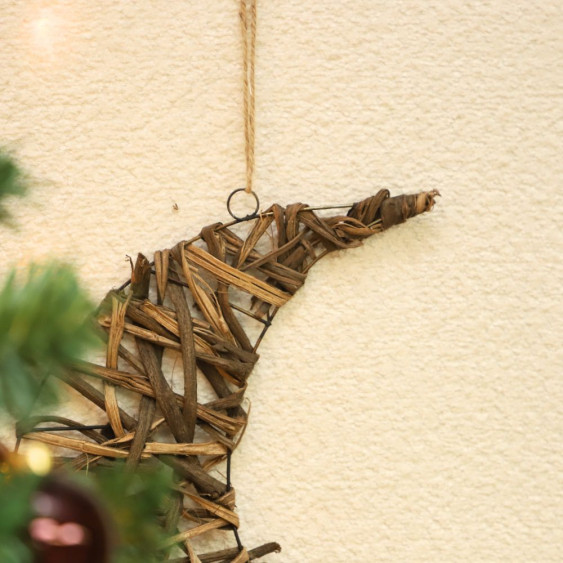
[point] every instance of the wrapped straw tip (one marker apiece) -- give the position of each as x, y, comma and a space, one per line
398, 209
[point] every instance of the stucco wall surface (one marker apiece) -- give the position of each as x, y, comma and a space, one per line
407, 403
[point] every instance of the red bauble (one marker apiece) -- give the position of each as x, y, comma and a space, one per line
69, 525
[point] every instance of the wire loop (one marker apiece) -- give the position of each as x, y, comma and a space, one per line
246, 217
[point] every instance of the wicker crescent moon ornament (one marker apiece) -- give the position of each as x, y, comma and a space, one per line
193, 305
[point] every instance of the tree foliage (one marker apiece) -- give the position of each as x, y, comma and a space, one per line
12, 183
16, 491
135, 500
43, 329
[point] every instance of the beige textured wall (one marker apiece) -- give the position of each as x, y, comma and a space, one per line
407, 404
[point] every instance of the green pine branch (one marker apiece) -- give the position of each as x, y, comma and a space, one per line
12, 183
43, 330
16, 492
135, 500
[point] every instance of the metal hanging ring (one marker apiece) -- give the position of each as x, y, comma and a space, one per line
246, 217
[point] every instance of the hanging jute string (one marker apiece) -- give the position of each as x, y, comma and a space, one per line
195, 303
248, 28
